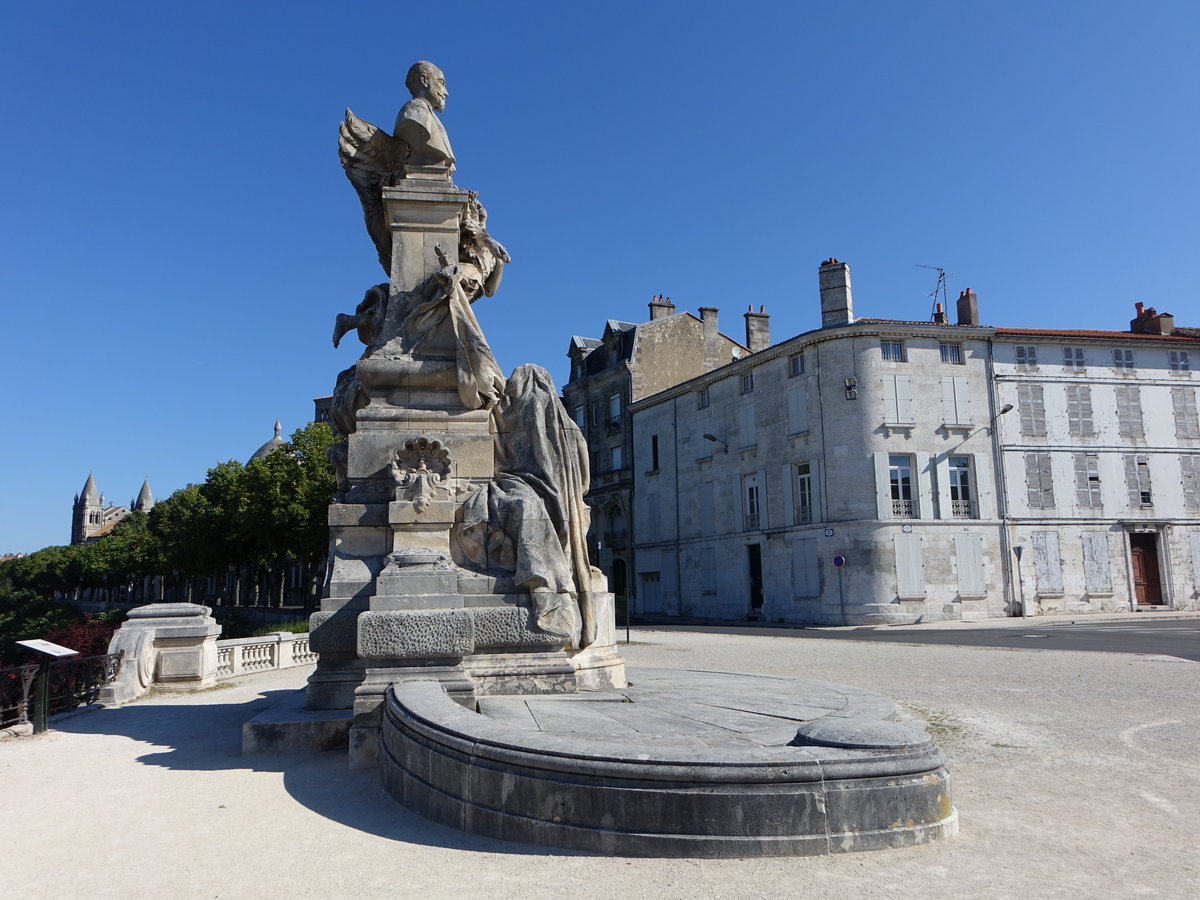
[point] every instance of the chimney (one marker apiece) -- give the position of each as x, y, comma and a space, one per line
1151, 321
758, 329
661, 307
837, 307
939, 315
712, 338
968, 308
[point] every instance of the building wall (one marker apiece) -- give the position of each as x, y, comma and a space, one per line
1094, 503
839, 417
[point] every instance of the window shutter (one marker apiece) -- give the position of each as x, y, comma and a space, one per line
1047, 564
1131, 480
949, 414
1033, 481
815, 469
941, 469
1086, 422
1083, 488
747, 436
968, 555
798, 409
1183, 402
1196, 561
1097, 575
984, 485
707, 509
788, 516
1046, 480
1189, 469
910, 567
883, 486
903, 399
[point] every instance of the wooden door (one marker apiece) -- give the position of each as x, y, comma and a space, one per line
1143, 553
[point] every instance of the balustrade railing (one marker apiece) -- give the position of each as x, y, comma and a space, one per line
280, 650
73, 683
961, 509
902, 509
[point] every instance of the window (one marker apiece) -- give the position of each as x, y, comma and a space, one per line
795, 365
897, 399
797, 399
702, 398
1039, 481
596, 413
1079, 410
1073, 359
1178, 361
1183, 400
747, 433
1087, 481
614, 408
1129, 412
750, 503
962, 505
1189, 469
892, 350
1137, 480
1026, 356
951, 353
956, 407
654, 453
615, 457
803, 493
580, 417
900, 477
1031, 400
1122, 359
747, 382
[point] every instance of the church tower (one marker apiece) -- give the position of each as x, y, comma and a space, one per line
87, 514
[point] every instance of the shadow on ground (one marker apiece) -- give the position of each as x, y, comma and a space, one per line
208, 737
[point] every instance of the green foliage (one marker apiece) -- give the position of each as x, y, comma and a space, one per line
299, 626
269, 510
26, 615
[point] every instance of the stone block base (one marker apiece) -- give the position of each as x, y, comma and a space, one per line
288, 727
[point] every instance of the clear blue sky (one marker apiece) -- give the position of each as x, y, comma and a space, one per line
176, 234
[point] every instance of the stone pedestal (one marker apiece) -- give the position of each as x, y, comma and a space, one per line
172, 646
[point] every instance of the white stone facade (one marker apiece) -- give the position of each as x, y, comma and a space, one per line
875, 443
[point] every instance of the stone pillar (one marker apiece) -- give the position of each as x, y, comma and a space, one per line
172, 646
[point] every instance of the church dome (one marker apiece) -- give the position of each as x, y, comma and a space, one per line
271, 445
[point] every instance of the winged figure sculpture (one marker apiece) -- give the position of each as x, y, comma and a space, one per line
373, 160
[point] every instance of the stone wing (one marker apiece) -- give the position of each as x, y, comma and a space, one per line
372, 159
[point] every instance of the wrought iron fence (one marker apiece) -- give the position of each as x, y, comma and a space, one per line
73, 683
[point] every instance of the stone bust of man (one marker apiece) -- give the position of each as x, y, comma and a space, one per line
418, 124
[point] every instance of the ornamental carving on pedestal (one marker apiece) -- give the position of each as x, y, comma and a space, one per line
420, 472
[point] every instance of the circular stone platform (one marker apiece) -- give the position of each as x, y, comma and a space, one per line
680, 763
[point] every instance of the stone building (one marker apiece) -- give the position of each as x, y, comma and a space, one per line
1101, 464
848, 475
630, 362
92, 518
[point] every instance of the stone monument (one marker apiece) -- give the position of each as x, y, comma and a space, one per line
465, 628
457, 534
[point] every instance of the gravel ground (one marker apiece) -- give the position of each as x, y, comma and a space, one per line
1075, 775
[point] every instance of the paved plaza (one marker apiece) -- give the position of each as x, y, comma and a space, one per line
1075, 775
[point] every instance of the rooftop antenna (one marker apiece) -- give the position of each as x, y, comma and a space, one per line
939, 289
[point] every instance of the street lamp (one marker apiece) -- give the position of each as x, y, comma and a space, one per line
717, 440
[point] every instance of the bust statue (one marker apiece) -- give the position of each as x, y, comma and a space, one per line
418, 125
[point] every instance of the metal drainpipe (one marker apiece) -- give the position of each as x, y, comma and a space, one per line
678, 530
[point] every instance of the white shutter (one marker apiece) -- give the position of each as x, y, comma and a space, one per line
984, 484
1183, 402
949, 413
1047, 564
1086, 423
968, 554
798, 409
890, 413
1189, 471
910, 566
1131, 481
815, 469
1196, 560
883, 486
903, 399
962, 402
746, 430
941, 467
1096, 573
806, 580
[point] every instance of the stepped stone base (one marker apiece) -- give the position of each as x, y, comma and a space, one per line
676, 764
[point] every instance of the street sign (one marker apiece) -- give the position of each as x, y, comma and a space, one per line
839, 561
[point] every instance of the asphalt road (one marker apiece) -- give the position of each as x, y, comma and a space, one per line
1169, 637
